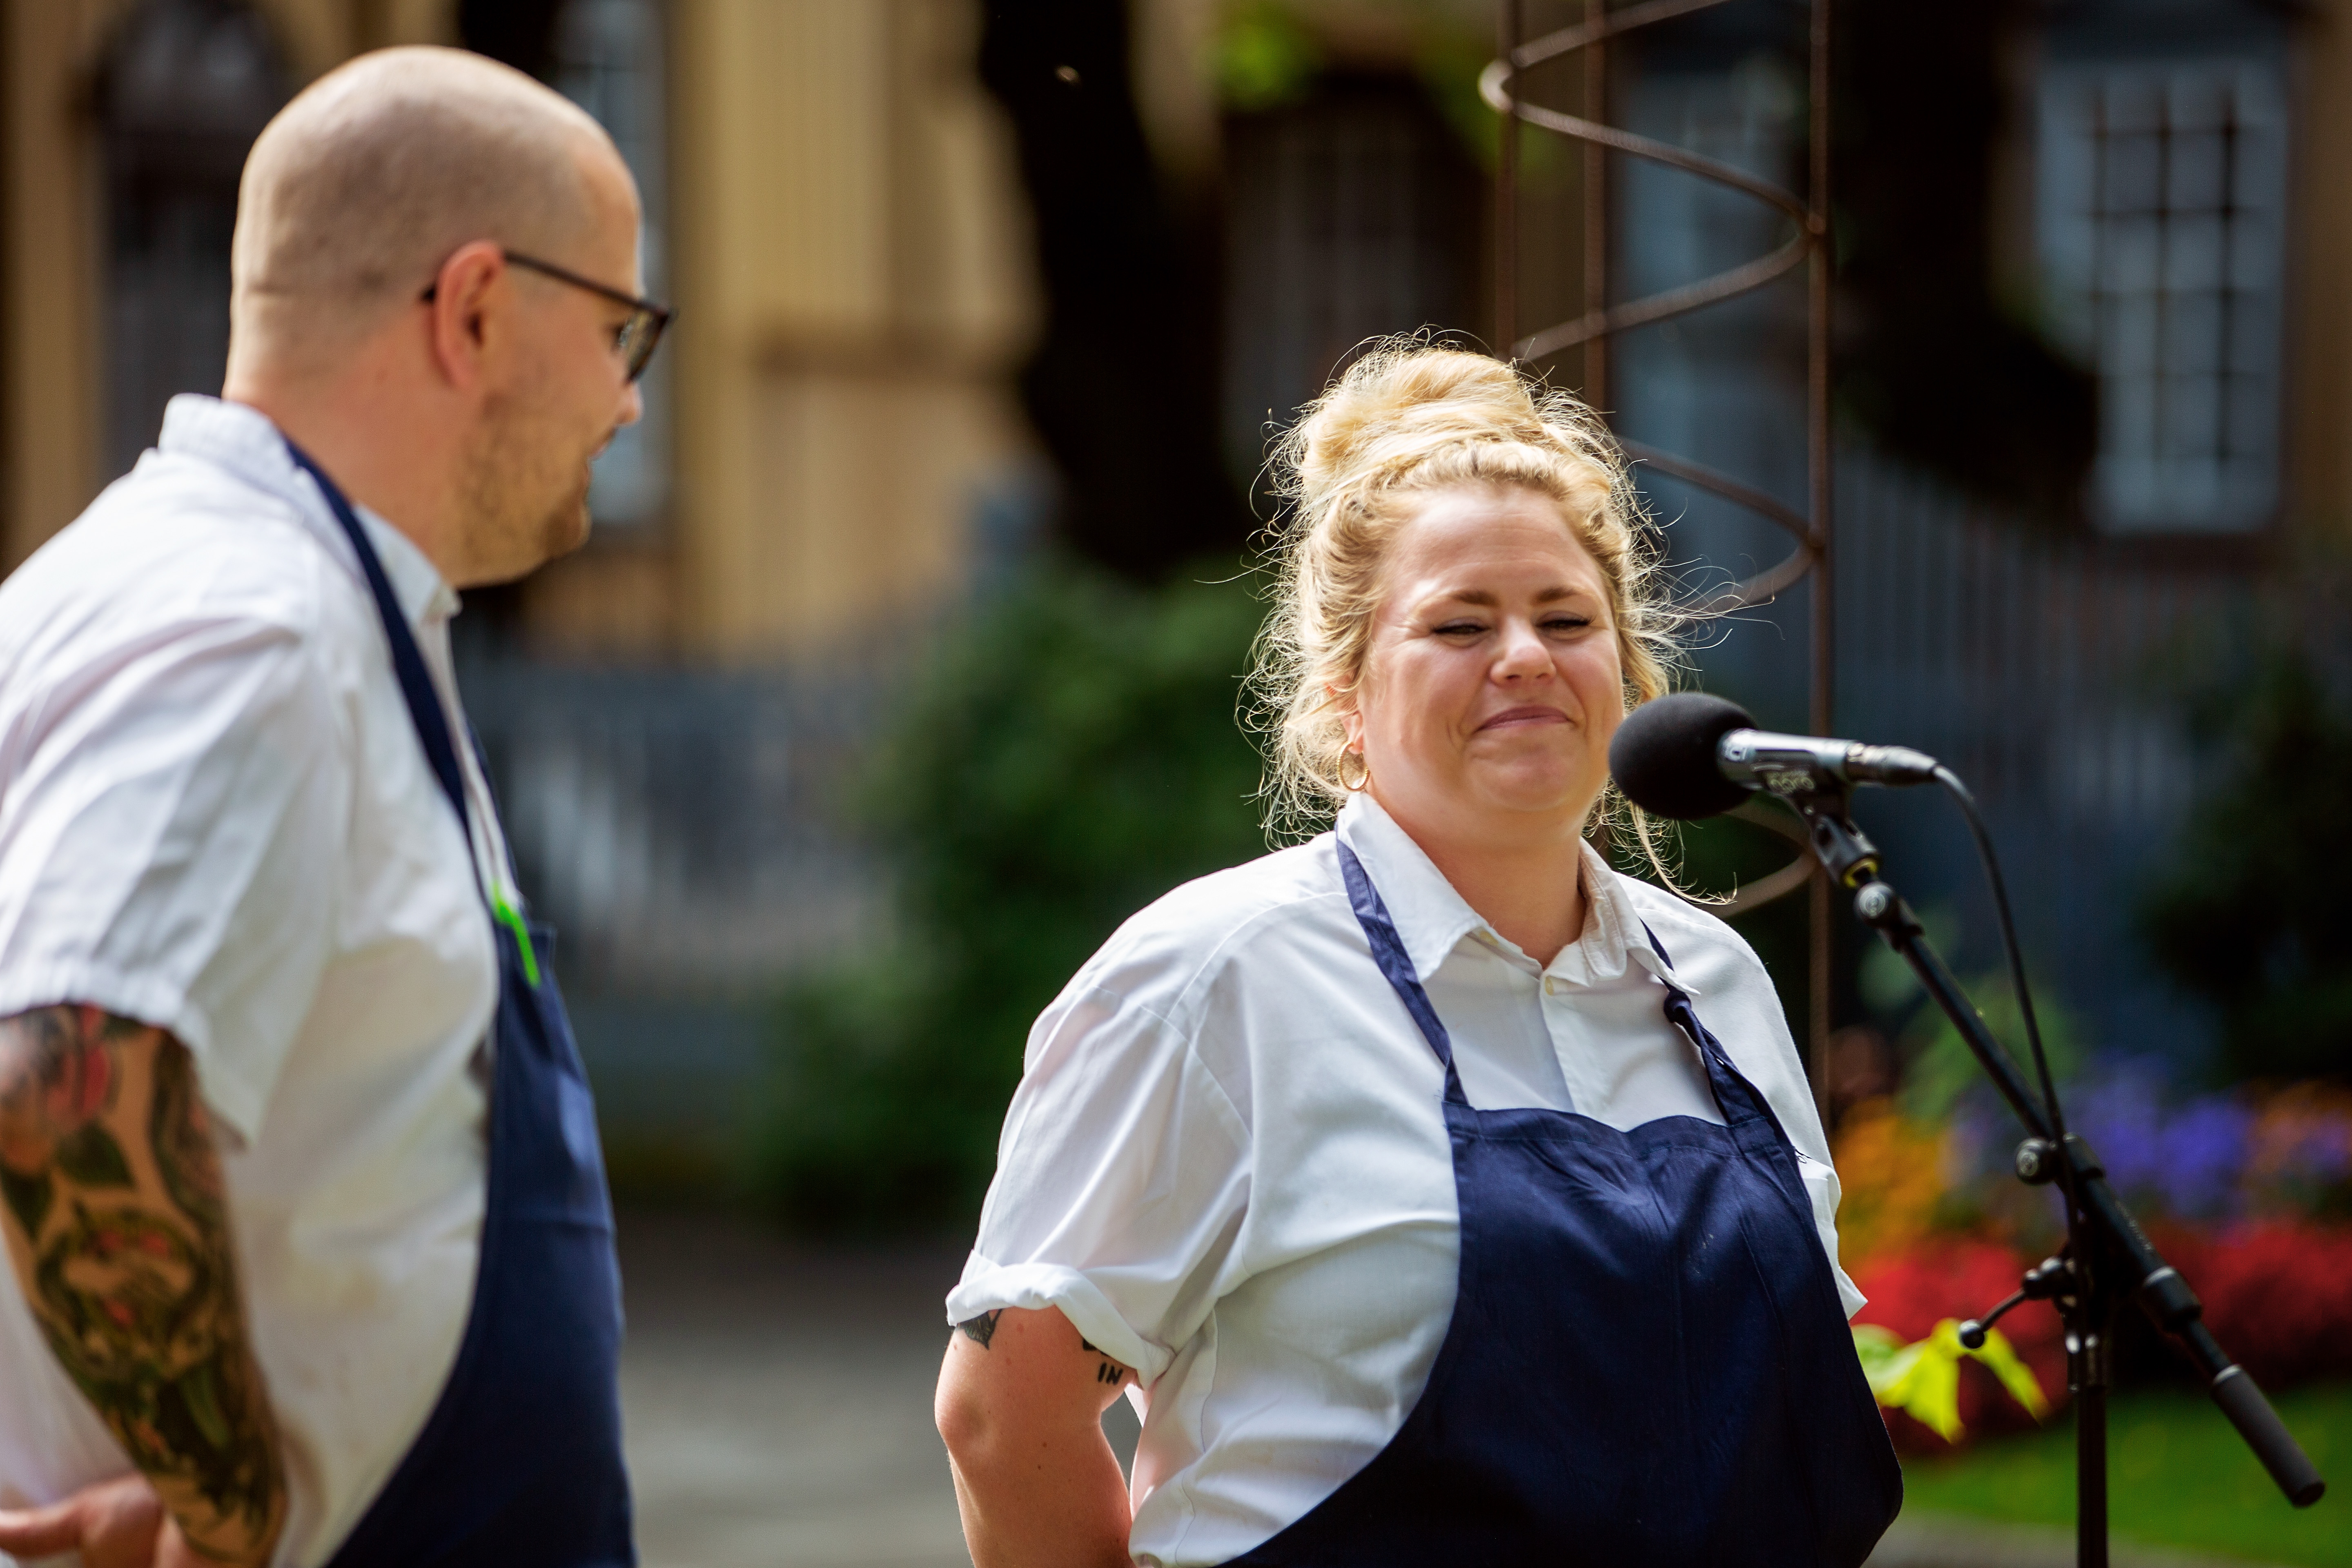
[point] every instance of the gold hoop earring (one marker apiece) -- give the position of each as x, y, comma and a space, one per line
1363, 776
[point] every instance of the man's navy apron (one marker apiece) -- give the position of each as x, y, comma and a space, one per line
519, 1464
1648, 1363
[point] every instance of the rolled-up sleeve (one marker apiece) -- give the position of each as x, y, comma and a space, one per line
1121, 1181
171, 815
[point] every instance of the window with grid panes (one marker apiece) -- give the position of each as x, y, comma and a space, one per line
2161, 232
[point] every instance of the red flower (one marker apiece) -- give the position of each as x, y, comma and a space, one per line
2277, 1294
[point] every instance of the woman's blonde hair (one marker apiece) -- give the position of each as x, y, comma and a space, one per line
1406, 418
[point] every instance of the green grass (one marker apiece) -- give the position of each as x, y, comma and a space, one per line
2178, 1476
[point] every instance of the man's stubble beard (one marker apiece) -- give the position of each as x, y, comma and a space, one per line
527, 493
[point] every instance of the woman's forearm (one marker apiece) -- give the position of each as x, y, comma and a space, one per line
1043, 1501
1020, 1406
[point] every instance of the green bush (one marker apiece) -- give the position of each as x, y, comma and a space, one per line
1065, 757
2250, 917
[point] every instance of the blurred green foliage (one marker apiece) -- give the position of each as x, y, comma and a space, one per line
1264, 56
1268, 55
1937, 1066
2251, 914
1066, 756
1722, 854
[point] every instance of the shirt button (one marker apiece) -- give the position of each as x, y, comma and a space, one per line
1552, 987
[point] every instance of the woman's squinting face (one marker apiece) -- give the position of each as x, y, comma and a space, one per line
1493, 683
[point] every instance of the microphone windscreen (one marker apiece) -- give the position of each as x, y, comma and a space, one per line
1664, 755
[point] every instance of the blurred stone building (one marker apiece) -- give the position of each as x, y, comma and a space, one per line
832, 201
832, 447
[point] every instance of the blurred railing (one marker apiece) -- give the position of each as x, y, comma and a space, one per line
2049, 673
684, 830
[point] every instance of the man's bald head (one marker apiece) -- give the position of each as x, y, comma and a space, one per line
361, 188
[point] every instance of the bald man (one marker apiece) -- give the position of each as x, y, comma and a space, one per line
311, 1252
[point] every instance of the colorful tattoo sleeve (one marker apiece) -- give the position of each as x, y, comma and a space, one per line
111, 1199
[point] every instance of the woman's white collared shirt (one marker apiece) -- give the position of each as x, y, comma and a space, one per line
1226, 1163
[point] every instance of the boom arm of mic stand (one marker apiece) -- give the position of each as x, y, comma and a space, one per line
1852, 862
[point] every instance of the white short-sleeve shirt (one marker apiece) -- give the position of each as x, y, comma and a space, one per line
215, 817
1227, 1161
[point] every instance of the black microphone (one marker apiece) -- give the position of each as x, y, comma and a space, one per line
1691, 755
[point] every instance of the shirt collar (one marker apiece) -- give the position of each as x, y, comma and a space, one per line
1431, 919
243, 440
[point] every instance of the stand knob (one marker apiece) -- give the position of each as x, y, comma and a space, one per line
2037, 1161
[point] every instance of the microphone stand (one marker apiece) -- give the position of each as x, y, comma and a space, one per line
2108, 1261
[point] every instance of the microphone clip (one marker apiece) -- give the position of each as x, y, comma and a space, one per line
1844, 851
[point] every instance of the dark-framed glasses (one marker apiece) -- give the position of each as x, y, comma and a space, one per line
633, 339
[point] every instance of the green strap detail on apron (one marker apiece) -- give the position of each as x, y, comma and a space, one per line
507, 916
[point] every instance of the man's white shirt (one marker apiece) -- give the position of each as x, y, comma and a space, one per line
1227, 1162
215, 817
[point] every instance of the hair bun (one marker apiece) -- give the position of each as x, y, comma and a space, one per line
1399, 401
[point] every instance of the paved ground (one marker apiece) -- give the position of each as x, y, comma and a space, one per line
779, 1401
779, 1405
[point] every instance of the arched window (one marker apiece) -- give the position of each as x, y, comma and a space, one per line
186, 89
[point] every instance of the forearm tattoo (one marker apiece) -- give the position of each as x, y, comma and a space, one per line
979, 1331
117, 1226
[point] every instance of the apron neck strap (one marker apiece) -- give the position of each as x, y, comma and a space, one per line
1739, 1100
424, 710
1396, 965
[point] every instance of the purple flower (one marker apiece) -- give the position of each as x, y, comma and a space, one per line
2187, 1158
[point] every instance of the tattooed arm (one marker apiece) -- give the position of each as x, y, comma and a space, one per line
118, 1230
1020, 1403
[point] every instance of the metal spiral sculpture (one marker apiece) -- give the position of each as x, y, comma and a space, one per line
1808, 246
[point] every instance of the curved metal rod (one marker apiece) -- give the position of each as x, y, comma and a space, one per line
1775, 884
1731, 489
1498, 98
1759, 811
1765, 889
1765, 585
1762, 588
1494, 85
1567, 40
1641, 312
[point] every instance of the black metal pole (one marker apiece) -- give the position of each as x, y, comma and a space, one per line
2088, 1351
2113, 1258
1820, 463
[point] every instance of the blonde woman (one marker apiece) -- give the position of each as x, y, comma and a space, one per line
1440, 1194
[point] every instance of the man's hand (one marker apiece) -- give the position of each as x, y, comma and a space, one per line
112, 1206
119, 1523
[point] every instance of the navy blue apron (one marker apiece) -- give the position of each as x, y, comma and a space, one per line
1648, 1363
519, 1464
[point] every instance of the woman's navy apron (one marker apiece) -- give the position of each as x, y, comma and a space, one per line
519, 1464
1648, 1363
